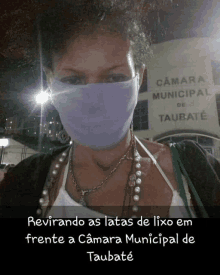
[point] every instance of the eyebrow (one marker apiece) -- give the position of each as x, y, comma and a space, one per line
108, 69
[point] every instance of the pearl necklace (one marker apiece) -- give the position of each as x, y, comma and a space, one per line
135, 181
52, 180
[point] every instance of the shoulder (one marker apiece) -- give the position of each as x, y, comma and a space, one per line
161, 150
153, 147
31, 168
39, 159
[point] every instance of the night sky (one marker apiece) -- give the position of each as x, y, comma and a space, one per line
19, 57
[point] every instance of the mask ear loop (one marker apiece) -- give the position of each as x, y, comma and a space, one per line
138, 80
138, 87
132, 125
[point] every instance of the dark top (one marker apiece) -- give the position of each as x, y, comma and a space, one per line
22, 187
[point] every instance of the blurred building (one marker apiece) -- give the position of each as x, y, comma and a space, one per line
31, 126
52, 129
15, 152
181, 99
11, 125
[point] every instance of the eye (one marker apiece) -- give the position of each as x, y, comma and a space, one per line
73, 80
118, 78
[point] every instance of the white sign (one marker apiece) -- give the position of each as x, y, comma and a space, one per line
182, 97
4, 142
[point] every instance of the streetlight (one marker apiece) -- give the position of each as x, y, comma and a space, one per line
3, 143
42, 97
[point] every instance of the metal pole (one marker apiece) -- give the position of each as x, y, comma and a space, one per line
1, 154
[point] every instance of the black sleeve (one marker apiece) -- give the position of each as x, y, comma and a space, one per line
22, 186
204, 172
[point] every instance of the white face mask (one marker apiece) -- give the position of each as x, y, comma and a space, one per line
96, 115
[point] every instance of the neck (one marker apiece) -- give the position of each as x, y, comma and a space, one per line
85, 156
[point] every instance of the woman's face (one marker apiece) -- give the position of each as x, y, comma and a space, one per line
96, 58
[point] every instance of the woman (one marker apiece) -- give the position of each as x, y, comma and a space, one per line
94, 59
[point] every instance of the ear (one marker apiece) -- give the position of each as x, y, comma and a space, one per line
141, 75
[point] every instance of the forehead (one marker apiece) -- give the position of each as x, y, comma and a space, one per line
100, 49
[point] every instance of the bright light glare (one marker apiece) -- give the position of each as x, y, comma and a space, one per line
42, 98
4, 142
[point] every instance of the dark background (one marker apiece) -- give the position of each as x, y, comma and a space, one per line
20, 71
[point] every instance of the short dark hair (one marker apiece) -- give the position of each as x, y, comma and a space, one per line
65, 20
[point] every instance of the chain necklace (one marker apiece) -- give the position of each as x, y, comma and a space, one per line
84, 192
134, 178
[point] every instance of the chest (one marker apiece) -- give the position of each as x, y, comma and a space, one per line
111, 195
